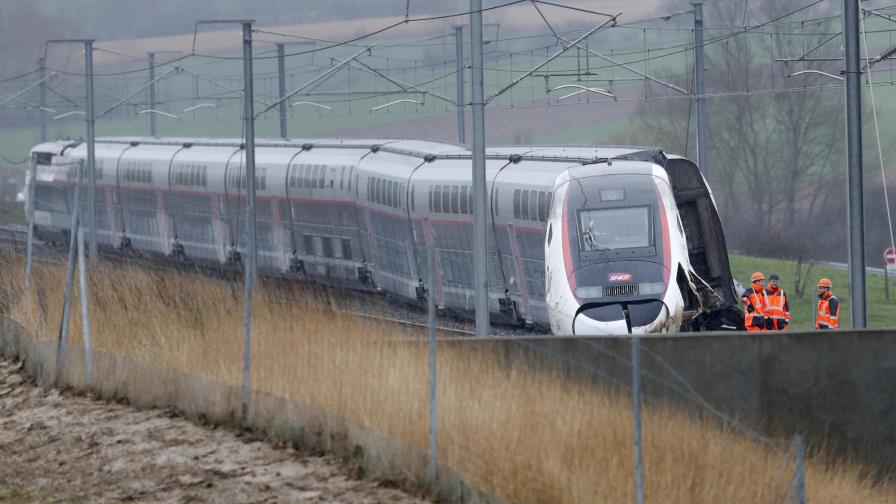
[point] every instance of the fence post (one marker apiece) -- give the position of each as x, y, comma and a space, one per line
62, 343
29, 211
85, 309
886, 282
251, 235
800, 476
433, 399
636, 416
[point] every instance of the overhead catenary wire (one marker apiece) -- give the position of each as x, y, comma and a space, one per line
10, 161
654, 55
369, 34
740, 30
880, 153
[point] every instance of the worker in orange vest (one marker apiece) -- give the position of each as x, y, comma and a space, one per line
755, 303
778, 312
828, 314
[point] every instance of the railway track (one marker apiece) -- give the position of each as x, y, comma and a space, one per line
13, 235
375, 307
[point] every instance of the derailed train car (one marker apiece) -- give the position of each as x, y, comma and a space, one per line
582, 240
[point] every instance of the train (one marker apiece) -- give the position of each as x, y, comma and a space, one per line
581, 240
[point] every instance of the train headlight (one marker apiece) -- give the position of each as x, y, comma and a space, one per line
651, 288
590, 292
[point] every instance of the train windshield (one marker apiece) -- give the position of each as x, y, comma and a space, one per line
614, 228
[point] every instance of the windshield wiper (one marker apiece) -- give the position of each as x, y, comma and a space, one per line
588, 234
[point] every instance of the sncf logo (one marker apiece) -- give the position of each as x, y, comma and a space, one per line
620, 277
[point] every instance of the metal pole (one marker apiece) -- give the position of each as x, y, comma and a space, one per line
42, 63
459, 43
800, 476
251, 246
85, 310
480, 243
62, 344
29, 212
91, 153
433, 398
853, 81
886, 283
152, 93
636, 415
317, 81
281, 82
699, 90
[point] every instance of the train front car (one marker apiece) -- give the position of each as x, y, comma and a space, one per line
613, 243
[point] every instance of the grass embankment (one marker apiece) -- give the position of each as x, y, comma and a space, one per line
880, 311
524, 435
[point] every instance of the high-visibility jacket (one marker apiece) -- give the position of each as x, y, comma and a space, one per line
755, 303
828, 314
777, 310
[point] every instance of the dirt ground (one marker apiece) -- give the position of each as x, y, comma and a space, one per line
55, 446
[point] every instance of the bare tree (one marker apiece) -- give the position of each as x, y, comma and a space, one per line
775, 142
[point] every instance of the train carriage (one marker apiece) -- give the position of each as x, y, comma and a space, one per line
581, 240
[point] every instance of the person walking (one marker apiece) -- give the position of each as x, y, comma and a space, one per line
755, 303
827, 316
778, 311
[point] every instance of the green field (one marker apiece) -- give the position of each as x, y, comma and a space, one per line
880, 312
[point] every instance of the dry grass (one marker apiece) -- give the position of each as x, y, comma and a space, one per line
524, 435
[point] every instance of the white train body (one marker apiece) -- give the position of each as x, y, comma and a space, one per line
582, 240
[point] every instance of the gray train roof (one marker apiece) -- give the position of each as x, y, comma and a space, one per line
421, 148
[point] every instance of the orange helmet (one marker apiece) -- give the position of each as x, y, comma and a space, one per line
824, 282
757, 277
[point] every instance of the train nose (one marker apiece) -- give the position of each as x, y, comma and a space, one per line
610, 319
586, 326
600, 320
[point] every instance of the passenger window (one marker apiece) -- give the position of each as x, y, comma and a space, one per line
464, 200
524, 205
542, 206
455, 199
437, 199
346, 248
322, 174
446, 199
309, 244
533, 205
516, 204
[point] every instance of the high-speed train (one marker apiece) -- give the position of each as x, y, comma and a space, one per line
582, 240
